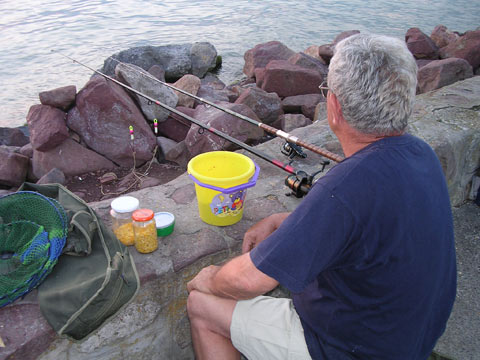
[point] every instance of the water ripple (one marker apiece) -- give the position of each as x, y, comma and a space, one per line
92, 30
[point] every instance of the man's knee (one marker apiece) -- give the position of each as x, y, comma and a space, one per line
196, 304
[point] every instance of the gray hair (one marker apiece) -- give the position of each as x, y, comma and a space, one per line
374, 78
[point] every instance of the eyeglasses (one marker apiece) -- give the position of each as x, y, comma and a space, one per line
324, 89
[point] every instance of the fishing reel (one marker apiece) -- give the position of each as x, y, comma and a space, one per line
301, 182
291, 150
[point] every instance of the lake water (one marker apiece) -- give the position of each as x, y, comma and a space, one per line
92, 30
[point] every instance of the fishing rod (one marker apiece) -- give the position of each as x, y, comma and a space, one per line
292, 142
298, 181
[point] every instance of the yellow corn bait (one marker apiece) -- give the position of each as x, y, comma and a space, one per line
125, 234
146, 238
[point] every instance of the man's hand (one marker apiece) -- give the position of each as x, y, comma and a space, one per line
259, 232
203, 280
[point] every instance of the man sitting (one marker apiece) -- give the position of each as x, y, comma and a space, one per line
368, 255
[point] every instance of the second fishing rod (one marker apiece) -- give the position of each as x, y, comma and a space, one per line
298, 181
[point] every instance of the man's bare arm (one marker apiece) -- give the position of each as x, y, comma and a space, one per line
238, 279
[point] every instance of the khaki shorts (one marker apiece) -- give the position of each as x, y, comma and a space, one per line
268, 328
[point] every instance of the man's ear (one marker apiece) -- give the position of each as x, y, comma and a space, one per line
337, 109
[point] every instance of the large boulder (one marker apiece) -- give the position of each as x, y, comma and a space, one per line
309, 62
440, 73
262, 54
176, 127
143, 82
198, 141
62, 97
102, 116
465, 47
420, 45
287, 79
69, 157
13, 137
304, 104
441, 36
13, 167
176, 60
204, 58
188, 83
47, 127
267, 106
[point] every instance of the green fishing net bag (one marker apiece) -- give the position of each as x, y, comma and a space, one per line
33, 231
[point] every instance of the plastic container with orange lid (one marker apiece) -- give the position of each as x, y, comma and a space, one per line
145, 231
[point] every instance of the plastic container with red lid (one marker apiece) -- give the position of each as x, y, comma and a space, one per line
145, 231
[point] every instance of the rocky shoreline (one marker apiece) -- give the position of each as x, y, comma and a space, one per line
71, 134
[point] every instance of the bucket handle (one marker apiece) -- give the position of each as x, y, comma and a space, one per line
252, 182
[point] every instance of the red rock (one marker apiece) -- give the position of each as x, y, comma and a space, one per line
199, 142
212, 81
326, 52
47, 127
287, 79
69, 157
420, 45
262, 54
62, 98
289, 122
102, 116
12, 137
211, 94
441, 36
189, 83
313, 51
440, 73
465, 47
26, 150
176, 127
267, 106
304, 104
13, 167
158, 72
179, 154
309, 62
259, 76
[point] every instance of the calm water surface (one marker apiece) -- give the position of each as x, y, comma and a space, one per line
92, 30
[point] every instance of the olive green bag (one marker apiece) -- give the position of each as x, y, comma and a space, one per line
95, 276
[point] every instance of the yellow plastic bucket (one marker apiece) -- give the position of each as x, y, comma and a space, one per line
221, 179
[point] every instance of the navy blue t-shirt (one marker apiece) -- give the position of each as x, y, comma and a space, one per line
369, 255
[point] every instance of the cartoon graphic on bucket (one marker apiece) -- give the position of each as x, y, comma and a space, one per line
221, 179
226, 204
